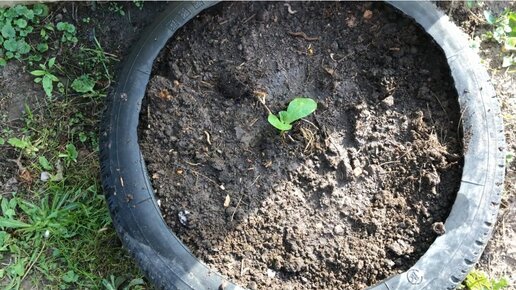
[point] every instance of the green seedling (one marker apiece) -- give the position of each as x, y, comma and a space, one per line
83, 84
297, 109
71, 153
46, 77
477, 280
17, 23
69, 32
503, 32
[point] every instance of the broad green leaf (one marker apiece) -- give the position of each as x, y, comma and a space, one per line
51, 62
65, 26
11, 45
20, 10
19, 267
40, 9
470, 3
23, 47
21, 23
44, 163
8, 31
510, 43
38, 72
274, 121
71, 153
283, 115
29, 14
53, 77
18, 143
299, 108
61, 26
42, 47
70, 277
2, 141
490, 18
47, 85
4, 205
82, 137
2, 63
83, 84
35, 57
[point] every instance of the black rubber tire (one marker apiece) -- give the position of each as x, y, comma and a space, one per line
169, 264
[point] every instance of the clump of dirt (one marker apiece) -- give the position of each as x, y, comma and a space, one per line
353, 194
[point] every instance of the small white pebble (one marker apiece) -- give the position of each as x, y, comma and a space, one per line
271, 273
45, 176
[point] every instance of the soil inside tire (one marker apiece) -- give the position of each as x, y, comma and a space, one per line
352, 195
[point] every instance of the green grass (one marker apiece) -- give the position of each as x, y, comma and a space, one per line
56, 232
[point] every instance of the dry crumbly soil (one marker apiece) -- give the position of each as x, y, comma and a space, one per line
350, 196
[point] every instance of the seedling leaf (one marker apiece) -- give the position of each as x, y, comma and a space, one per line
278, 124
283, 116
300, 108
44, 163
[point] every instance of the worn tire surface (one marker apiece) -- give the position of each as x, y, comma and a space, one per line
169, 264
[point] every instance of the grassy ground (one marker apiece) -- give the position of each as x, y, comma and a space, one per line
55, 230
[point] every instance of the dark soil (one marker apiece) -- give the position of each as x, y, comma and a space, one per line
349, 197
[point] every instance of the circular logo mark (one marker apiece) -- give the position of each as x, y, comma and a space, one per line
414, 276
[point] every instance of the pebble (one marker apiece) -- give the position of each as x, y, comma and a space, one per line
388, 102
389, 262
183, 217
271, 273
338, 230
45, 176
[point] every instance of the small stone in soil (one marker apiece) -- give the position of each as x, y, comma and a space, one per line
45, 176
271, 273
388, 102
183, 218
338, 230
